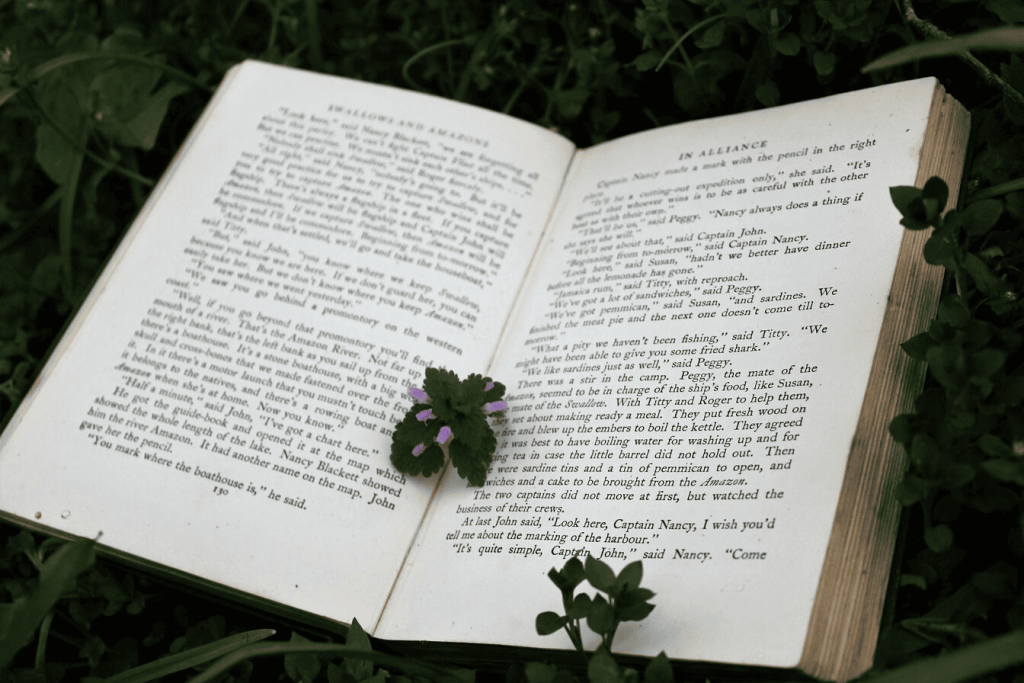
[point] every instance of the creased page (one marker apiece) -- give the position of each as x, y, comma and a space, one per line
685, 376
223, 405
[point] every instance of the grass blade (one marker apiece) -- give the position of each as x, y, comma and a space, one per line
1008, 39
190, 658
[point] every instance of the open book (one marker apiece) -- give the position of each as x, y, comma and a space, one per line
698, 327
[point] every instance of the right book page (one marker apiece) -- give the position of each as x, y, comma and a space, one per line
685, 369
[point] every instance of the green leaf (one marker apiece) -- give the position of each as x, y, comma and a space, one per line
360, 669
537, 672
938, 250
788, 44
935, 188
599, 574
602, 668
979, 217
601, 619
911, 490
636, 611
903, 428
712, 37
659, 670
1005, 470
824, 63
983, 277
570, 576
987, 361
913, 580
939, 538
1009, 39
902, 196
953, 311
647, 61
917, 346
58, 575
629, 578
141, 131
301, 667
768, 94
580, 607
549, 622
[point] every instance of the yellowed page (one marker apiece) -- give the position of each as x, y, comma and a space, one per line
222, 406
685, 372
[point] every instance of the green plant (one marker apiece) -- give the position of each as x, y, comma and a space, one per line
449, 419
626, 601
965, 439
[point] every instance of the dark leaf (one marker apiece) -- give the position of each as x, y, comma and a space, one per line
636, 611
602, 668
659, 670
939, 538
979, 217
629, 578
935, 188
917, 346
536, 672
359, 668
599, 574
302, 667
580, 607
549, 622
601, 619
902, 196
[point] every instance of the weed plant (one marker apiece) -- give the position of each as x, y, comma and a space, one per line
84, 135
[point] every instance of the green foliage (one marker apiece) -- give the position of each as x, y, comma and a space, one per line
449, 419
96, 97
626, 601
58, 573
965, 439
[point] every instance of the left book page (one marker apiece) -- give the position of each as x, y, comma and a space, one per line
222, 404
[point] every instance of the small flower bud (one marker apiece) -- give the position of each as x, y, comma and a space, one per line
494, 406
444, 435
419, 394
418, 451
425, 415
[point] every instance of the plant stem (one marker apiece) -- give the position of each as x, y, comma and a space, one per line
424, 51
1000, 189
44, 632
932, 31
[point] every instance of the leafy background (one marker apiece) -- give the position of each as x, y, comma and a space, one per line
83, 137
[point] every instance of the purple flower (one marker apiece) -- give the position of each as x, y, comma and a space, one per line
419, 394
495, 406
444, 435
425, 415
418, 451
488, 387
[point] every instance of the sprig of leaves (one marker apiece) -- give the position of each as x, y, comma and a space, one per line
967, 434
449, 419
626, 601
965, 438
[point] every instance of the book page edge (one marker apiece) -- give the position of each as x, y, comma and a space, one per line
844, 625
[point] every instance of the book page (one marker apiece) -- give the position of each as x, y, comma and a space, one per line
685, 374
223, 405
